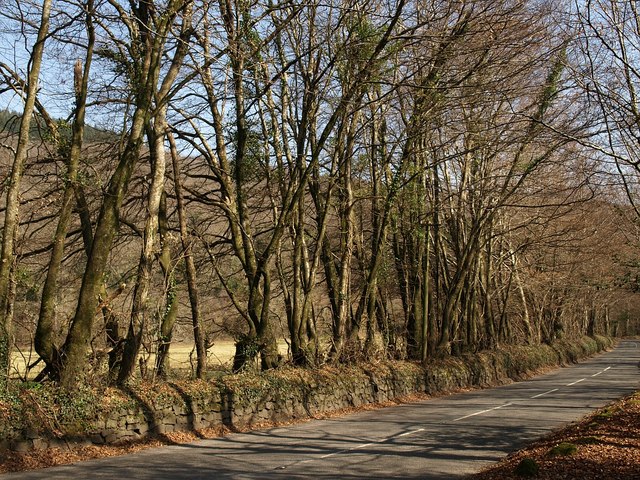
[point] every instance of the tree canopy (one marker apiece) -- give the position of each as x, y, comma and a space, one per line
410, 179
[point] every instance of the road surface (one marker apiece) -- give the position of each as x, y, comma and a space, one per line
442, 438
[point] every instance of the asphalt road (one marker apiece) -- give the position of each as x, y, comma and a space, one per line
442, 438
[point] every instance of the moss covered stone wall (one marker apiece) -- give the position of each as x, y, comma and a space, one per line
34, 416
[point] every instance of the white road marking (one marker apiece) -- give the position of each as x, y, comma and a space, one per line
577, 381
411, 432
545, 393
332, 454
601, 371
407, 433
362, 446
347, 450
483, 411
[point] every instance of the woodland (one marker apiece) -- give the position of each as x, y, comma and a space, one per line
359, 179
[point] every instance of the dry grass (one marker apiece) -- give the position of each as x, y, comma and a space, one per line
181, 357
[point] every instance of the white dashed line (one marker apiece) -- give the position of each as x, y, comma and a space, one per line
334, 453
349, 450
408, 433
545, 393
600, 372
483, 411
384, 440
411, 432
577, 381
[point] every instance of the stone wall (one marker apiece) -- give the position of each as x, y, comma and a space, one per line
37, 417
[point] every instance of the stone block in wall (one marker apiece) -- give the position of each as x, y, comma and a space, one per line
199, 424
211, 418
55, 442
112, 423
30, 434
160, 429
79, 440
40, 443
183, 421
240, 419
111, 437
21, 445
107, 432
169, 420
179, 410
97, 439
138, 428
165, 411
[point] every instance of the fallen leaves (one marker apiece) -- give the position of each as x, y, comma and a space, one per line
608, 447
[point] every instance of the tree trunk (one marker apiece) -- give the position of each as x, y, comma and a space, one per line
107, 225
143, 279
198, 334
428, 326
44, 341
13, 192
150, 42
170, 312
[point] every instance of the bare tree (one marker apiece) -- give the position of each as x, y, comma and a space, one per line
608, 71
44, 340
149, 26
156, 133
13, 191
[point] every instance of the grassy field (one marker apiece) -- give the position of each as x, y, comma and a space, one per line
181, 356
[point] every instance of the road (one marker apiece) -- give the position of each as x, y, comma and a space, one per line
441, 438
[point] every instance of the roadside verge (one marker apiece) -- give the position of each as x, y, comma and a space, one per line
604, 444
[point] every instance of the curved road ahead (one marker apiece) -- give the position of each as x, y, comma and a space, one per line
441, 438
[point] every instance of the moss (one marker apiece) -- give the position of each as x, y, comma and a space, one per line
604, 415
603, 342
48, 410
563, 449
527, 467
589, 441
